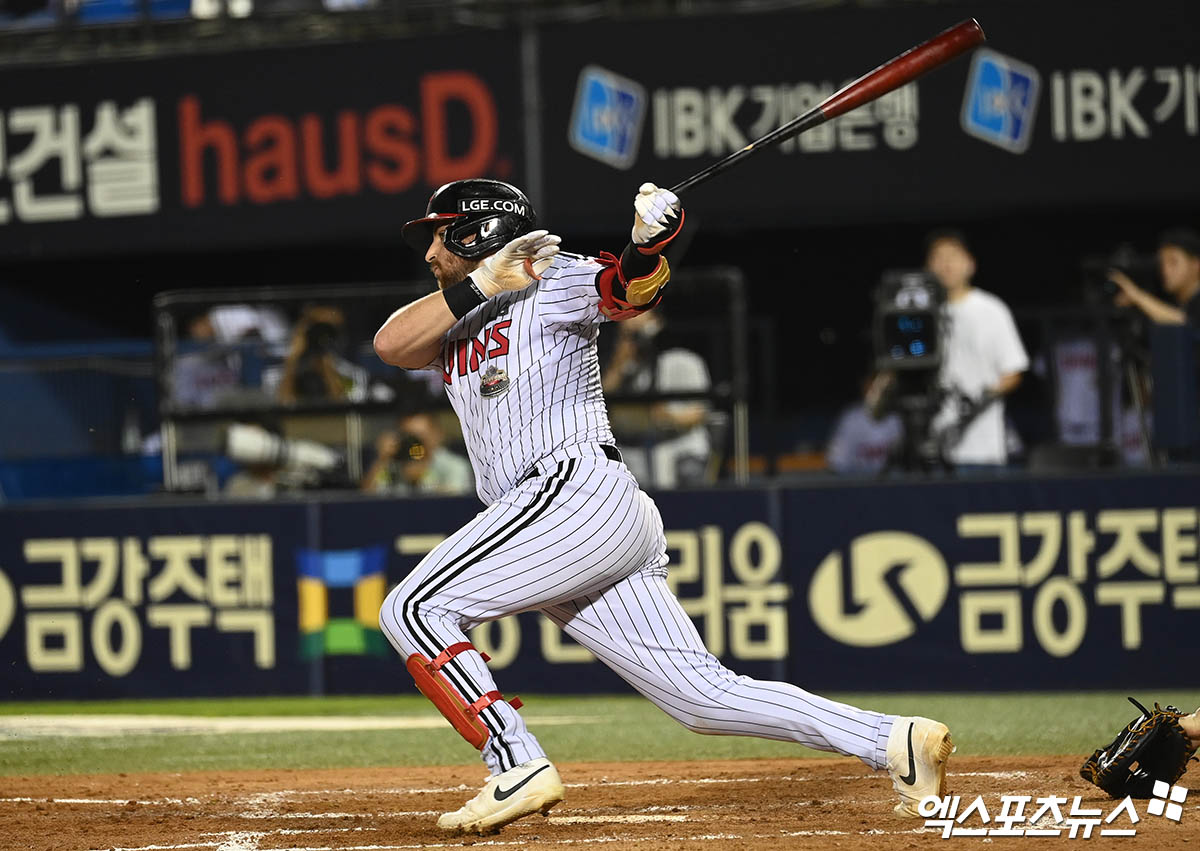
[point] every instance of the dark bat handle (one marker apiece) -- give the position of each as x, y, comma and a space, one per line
888, 76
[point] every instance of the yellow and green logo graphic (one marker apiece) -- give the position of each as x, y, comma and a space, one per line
340, 595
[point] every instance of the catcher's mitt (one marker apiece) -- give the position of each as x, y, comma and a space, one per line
1152, 747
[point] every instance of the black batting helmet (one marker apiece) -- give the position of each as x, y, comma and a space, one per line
482, 216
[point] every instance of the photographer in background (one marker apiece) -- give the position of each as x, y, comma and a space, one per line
314, 369
984, 359
1179, 265
413, 460
1175, 357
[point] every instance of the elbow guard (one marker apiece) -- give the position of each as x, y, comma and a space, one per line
623, 295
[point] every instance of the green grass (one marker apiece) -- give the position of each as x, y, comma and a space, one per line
630, 729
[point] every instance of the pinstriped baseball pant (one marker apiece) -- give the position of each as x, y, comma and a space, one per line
581, 543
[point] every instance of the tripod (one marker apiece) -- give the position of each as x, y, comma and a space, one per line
917, 398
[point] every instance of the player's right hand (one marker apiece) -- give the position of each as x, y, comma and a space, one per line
657, 217
518, 264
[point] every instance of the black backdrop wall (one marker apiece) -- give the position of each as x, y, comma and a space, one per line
299, 165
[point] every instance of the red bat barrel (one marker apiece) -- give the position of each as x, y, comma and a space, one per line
890, 75
904, 68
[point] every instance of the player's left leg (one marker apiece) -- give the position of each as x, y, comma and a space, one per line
638, 628
579, 525
435, 634
428, 629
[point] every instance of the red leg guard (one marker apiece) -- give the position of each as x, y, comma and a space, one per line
432, 683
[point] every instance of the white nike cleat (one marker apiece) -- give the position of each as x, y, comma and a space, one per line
917, 751
528, 788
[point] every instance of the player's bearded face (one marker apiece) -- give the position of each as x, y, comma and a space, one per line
447, 266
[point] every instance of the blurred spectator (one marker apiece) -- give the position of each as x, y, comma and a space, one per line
1076, 370
983, 358
1078, 399
202, 372
1179, 266
862, 444
676, 448
413, 459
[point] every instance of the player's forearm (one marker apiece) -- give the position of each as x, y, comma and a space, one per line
632, 284
642, 275
412, 336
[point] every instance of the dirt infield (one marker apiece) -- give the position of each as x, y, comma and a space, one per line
798, 803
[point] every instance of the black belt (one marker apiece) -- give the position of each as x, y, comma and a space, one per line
610, 452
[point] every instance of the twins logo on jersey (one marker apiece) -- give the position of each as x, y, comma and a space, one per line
468, 356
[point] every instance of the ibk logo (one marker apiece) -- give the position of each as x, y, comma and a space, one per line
1001, 101
606, 122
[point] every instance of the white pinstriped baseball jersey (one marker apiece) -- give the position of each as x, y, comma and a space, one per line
543, 338
568, 532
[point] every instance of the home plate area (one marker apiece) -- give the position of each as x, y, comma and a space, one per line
801, 803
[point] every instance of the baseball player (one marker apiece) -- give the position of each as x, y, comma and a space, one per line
567, 531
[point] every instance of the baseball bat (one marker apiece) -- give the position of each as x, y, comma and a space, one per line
890, 75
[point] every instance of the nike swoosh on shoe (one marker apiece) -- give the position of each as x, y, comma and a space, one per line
502, 794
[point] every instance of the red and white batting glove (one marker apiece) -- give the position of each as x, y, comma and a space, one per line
658, 216
518, 264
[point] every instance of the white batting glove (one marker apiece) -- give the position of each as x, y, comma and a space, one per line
656, 213
518, 264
